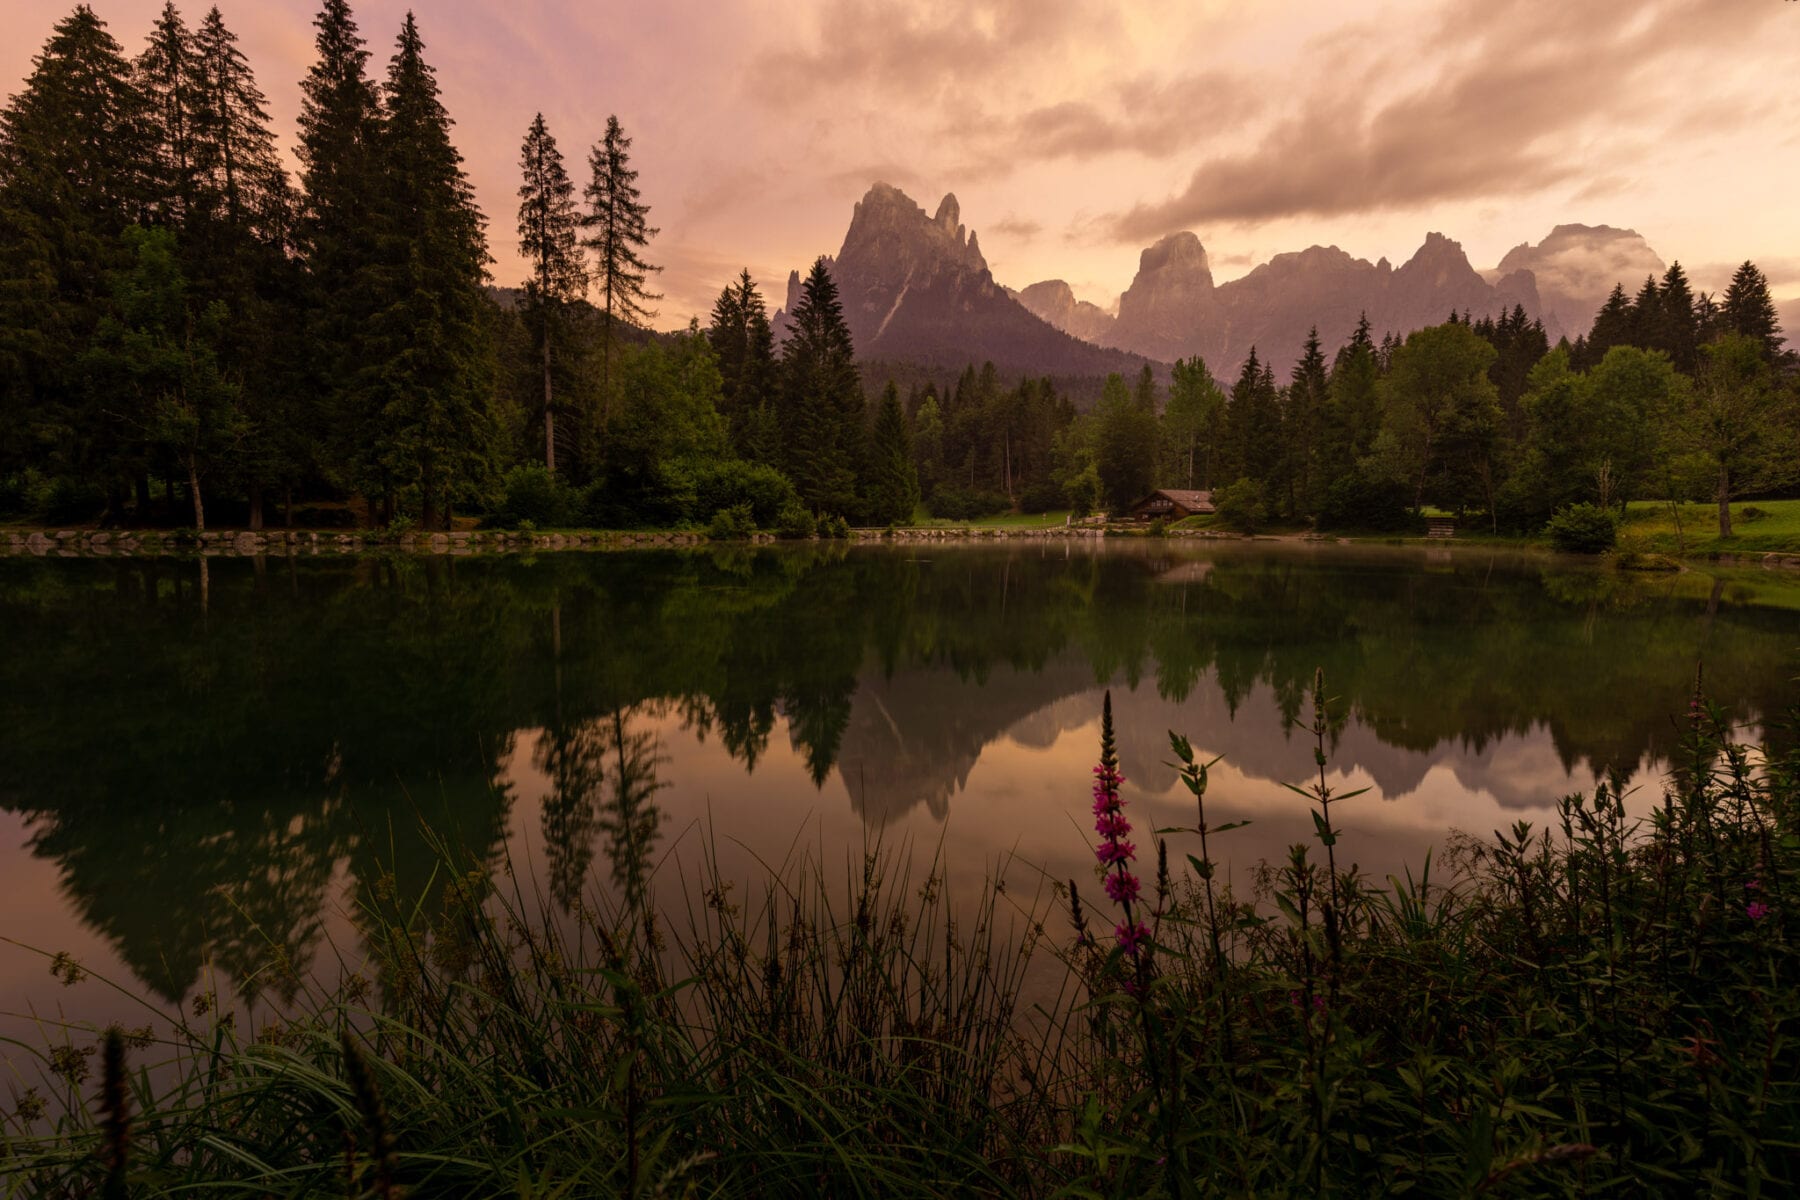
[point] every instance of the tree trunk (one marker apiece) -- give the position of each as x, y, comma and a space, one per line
287, 506
143, 497
194, 493
1724, 501
549, 415
256, 506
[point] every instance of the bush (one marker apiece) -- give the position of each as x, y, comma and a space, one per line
1158, 528
1752, 513
795, 522
534, 494
1359, 502
1240, 506
1583, 529
732, 524
834, 526
1041, 497
718, 486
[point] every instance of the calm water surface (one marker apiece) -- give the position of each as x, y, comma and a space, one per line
199, 777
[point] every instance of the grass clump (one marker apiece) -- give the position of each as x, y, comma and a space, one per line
1607, 1005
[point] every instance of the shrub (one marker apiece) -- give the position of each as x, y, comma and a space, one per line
70, 500
1752, 513
795, 522
1041, 497
1158, 528
1583, 529
1358, 502
1240, 506
534, 494
834, 526
718, 486
732, 524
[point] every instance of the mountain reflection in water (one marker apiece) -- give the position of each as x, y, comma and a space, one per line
209, 778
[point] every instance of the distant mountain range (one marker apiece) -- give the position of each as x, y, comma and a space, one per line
1173, 309
916, 289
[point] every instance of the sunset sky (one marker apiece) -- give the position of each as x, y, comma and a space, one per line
1075, 132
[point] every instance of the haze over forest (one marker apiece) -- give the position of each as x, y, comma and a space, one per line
1076, 133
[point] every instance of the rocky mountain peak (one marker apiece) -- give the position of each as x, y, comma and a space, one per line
1176, 252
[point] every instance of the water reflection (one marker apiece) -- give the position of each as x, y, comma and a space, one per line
215, 763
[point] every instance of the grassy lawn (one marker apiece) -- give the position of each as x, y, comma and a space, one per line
1777, 530
1058, 518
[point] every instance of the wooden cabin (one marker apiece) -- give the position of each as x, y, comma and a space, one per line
1172, 504
1440, 527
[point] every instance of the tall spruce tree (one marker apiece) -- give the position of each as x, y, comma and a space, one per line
1677, 332
337, 235
73, 161
618, 227
1612, 327
427, 370
168, 79
1748, 309
1303, 424
741, 337
892, 487
238, 235
821, 410
548, 219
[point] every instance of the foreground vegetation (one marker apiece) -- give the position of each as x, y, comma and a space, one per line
1605, 1005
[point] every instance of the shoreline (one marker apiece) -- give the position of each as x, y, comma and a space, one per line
47, 542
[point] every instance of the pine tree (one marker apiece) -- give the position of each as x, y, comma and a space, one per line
340, 132
1144, 394
821, 407
893, 483
237, 237
73, 160
1303, 423
741, 337
168, 78
427, 366
547, 238
1646, 315
1748, 309
1124, 446
619, 230
1677, 331
1612, 327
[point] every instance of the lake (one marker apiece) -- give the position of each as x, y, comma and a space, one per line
201, 775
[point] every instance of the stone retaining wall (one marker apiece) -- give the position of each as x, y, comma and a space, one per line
90, 543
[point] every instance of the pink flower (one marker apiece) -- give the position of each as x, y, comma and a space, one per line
1757, 911
1112, 825
1131, 934
1122, 887
1115, 852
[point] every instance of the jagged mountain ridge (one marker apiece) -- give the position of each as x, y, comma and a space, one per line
1173, 309
915, 288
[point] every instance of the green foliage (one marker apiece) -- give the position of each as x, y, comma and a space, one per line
1124, 447
532, 493
1360, 501
891, 482
796, 522
736, 523
821, 398
957, 504
731, 483
1583, 529
834, 527
1240, 506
